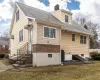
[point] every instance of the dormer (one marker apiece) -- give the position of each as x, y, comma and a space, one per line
62, 15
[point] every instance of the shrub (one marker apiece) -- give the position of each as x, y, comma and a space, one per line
95, 55
6, 56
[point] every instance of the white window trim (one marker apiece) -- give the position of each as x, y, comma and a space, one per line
23, 36
16, 15
68, 18
49, 37
83, 39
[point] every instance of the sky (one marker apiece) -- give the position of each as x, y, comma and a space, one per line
89, 9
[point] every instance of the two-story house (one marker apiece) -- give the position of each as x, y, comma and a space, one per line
51, 37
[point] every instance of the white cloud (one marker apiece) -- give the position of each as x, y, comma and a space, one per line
5, 10
5, 15
90, 9
4, 26
38, 4
62, 3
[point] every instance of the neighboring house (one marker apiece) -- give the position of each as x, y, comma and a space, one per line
4, 45
49, 35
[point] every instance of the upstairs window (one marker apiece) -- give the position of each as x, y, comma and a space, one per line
49, 32
46, 32
20, 35
83, 39
17, 15
73, 37
66, 18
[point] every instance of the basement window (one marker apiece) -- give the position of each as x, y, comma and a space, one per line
49, 55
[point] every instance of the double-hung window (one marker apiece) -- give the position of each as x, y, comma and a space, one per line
49, 32
17, 15
66, 18
20, 35
83, 39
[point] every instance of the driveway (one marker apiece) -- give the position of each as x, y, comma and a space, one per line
3, 67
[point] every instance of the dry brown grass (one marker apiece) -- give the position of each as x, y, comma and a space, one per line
68, 72
5, 61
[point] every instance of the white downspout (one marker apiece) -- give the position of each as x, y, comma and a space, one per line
30, 40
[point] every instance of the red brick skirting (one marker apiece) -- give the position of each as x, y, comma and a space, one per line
46, 48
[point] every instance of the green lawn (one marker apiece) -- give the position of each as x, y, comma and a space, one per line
68, 72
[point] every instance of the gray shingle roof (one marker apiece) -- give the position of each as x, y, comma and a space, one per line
47, 16
38, 14
75, 27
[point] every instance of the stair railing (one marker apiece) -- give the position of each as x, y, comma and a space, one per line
22, 50
23, 54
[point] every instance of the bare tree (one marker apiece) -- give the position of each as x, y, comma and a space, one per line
6, 36
93, 28
81, 21
6, 33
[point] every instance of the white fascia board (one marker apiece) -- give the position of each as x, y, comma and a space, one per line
31, 18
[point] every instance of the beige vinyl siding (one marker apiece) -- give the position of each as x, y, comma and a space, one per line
61, 16
42, 40
19, 25
57, 14
69, 17
73, 47
34, 33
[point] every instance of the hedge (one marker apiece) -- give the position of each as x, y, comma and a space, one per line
95, 55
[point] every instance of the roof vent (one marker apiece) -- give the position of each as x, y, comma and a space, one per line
56, 7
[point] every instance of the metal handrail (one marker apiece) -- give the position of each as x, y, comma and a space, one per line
22, 54
26, 44
22, 50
